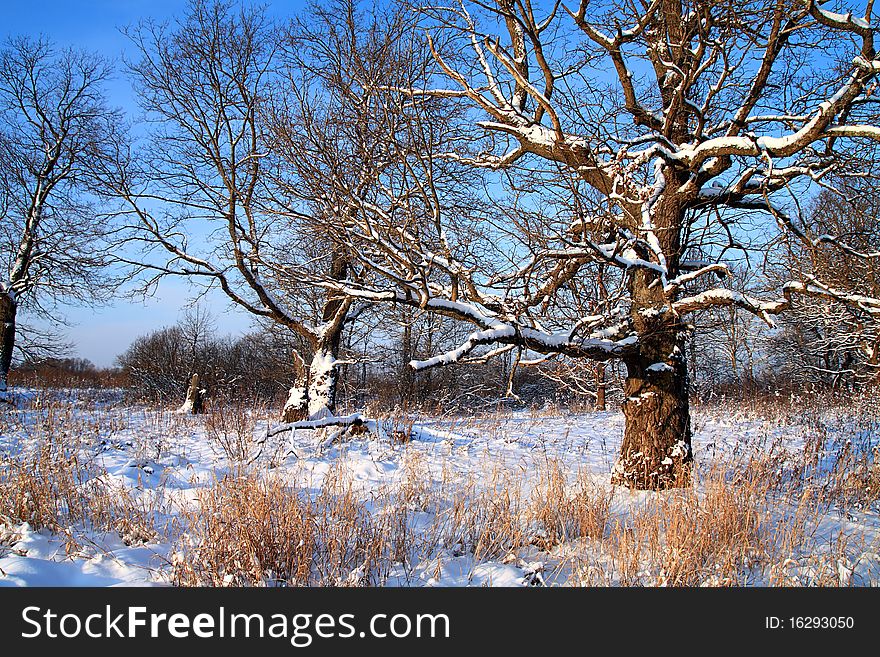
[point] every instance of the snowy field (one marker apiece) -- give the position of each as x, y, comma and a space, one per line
98, 493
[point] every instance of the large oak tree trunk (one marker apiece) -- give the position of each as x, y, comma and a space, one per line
656, 450
8, 309
324, 368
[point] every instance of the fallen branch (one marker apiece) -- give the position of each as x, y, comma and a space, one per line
353, 420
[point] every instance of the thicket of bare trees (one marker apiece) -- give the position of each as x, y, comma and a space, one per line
835, 341
252, 367
257, 367
570, 191
65, 373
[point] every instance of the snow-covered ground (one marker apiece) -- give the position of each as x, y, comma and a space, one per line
162, 463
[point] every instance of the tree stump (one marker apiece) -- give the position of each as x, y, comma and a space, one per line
195, 398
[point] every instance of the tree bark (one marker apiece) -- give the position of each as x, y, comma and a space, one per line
600, 386
296, 408
656, 450
8, 310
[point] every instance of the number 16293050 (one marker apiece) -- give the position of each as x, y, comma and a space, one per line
809, 623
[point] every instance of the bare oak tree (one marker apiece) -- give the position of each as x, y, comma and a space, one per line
346, 146
196, 194
691, 124
56, 126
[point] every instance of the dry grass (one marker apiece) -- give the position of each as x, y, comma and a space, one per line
249, 530
246, 531
564, 512
230, 426
762, 514
861, 484
745, 522
56, 484
254, 530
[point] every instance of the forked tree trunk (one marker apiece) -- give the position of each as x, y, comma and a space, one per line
8, 309
313, 395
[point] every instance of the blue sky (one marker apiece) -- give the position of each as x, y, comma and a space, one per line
90, 24
101, 334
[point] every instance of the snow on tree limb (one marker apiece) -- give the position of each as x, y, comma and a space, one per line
329, 421
725, 297
814, 288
